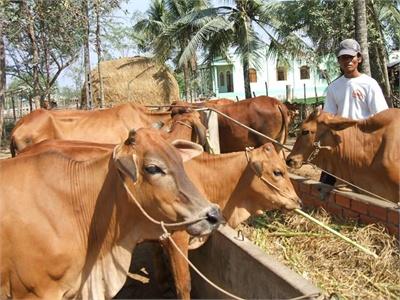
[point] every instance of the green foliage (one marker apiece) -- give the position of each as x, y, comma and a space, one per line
53, 29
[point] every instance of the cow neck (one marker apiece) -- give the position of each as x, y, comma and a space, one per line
345, 155
110, 232
217, 175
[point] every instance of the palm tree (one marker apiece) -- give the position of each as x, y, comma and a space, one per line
166, 36
234, 27
361, 32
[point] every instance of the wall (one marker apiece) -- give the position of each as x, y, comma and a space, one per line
235, 264
267, 73
348, 205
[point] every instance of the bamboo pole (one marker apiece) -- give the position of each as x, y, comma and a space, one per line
365, 250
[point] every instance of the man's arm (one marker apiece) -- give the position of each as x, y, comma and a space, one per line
376, 100
330, 104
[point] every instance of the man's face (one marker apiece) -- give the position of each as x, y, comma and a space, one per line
348, 64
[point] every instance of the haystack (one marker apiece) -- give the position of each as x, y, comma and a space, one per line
134, 79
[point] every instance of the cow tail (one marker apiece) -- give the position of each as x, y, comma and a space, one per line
283, 134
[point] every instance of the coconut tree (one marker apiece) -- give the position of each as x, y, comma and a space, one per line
243, 27
159, 31
361, 32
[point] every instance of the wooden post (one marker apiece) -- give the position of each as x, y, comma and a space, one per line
13, 107
289, 96
305, 103
254, 94
211, 122
266, 88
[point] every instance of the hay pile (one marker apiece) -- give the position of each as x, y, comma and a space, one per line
329, 262
134, 79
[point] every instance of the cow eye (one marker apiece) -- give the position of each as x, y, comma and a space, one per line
153, 169
278, 172
305, 132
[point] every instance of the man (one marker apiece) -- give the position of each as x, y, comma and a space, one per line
353, 95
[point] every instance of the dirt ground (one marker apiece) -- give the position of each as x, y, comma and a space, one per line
4, 153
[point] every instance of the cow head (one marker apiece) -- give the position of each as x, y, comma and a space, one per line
158, 181
270, 185
317, 131
32, 129
188, 126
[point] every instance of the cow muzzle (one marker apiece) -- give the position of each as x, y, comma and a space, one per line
210, 219
294, 163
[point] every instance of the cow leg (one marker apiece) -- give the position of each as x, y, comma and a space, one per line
161, 272
179, 266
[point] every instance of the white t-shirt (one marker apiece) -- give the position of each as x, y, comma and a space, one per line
355, 98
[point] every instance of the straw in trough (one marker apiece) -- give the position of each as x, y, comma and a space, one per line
329, 262
134, 79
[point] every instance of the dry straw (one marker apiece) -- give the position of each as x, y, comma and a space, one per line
134, 79
331, 263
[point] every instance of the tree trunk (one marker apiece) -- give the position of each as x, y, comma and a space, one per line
383, 75
247, 88
34, 53
186, 79
99, 55
2, 78
86, 54
360, 17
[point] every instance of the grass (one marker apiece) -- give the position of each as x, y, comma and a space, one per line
330, 263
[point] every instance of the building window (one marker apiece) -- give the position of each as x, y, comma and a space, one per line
305, 72
221, 79
252, 75
229, 82
281, 74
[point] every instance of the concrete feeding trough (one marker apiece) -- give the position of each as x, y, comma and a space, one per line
235, 264
230, 261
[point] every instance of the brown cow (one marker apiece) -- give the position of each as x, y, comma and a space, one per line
70, 231
264, 114
103, 126
232, 181
364, 152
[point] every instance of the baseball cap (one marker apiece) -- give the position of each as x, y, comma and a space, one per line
348, 47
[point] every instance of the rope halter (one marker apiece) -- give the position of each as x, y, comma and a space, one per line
317, 148
261, 177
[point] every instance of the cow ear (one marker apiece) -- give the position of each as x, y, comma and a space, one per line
339, 123
131, 138
187, 149
126, 163
315, 113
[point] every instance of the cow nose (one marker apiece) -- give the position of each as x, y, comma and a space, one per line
214, 215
